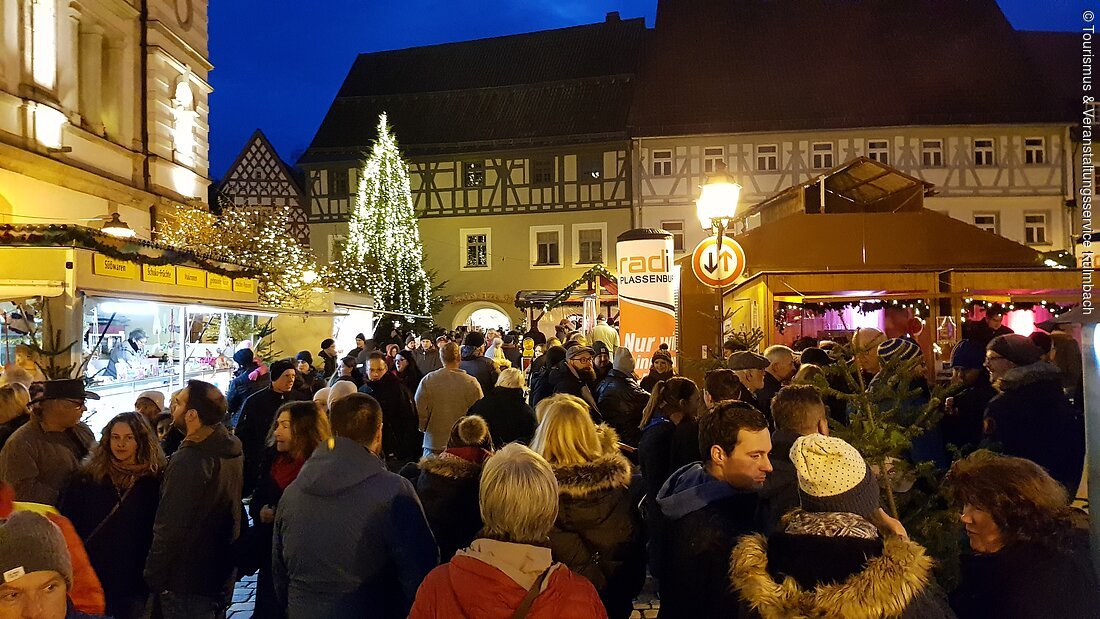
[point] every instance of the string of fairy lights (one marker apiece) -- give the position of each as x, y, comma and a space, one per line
919, 307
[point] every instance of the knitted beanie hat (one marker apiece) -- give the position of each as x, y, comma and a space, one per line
278, 368
969, 355
898, 349
244, 356
470, 431
29, 543
832, 476
304, 356
1016, 348
624, 361
1041, 339
155, 397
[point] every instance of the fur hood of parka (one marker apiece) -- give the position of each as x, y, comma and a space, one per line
450, 466
1025, 375
896, 584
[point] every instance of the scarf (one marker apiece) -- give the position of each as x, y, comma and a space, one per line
124, 475
477, 455
285, 469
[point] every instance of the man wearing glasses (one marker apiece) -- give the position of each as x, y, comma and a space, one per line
577, 377
39, 458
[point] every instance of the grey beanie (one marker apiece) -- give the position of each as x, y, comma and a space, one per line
30, 543
624, 361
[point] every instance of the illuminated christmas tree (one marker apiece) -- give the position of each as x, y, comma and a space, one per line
383, 256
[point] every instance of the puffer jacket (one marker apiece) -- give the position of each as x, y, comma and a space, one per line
598, 533
1032, 418
848, 573
448, 489
621, 400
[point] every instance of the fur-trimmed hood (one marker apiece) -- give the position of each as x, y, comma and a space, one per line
450, 466
611, 470
1025, 375
885, 588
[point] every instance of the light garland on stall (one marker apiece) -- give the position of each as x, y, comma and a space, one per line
591, 275
1055, 308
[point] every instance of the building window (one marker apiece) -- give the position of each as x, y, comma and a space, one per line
983, 152
588, 243
1035, 229
1034, 151
338, 183
546, 246
711, 156
473, 174
767, 157
988, 222
931, 153
822, 155
590, 167
676, 228
879, 150
476, 248
662, 162
542, 172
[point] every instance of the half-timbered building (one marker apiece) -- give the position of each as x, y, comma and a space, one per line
519, 155
785, 91
261, 180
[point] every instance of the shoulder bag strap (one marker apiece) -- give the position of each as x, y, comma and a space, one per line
532, 593
107, 518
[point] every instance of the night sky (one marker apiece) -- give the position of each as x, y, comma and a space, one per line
279, 63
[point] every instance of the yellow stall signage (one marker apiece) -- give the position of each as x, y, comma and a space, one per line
244, 284
187, 276
165, 274
217, 282
102, 265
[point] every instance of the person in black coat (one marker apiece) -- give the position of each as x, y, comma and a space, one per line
406, 370
598, 531
621, 399
670, 434
112, 502
475, 363
963, 411
540, 375
661, 369
241, 385
510, 418
1030, 554
327, 354
258, 415
299, 428
447, 484
401, 439
1031, 416
705, 507
576, 377
308, 378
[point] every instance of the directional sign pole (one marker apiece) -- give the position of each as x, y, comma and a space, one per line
720, 306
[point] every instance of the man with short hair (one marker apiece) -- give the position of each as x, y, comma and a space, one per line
329, 357
400, 438
38, 458
749, 368
601, 360
191, 564
576, 376
782, 366
604, 333
351, 538
720, 384
798, 410
426, 356
706, 506
258, 413
443, 397
474, 362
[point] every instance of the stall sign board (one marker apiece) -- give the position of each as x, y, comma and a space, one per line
165, 274
244, 284
647, 293
187, 276
217, 282
110, 267
718, 267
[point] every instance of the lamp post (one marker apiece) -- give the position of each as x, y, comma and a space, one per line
716, 207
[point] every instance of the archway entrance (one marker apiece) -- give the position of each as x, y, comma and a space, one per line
484, 315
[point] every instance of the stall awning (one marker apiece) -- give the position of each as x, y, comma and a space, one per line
14, 290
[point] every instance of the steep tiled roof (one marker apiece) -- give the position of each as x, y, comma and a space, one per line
775, 65
571, 84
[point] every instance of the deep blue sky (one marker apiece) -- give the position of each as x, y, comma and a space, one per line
278, 63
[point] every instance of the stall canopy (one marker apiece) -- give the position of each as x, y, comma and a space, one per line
597, 278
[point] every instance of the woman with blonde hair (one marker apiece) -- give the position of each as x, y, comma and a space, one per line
598, 532
14, 400
112, 502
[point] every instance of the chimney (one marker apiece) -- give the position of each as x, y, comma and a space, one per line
612, 17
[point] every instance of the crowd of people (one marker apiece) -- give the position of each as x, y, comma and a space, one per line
447, 477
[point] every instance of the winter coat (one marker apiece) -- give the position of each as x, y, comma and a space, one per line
621, 400
122, 537
350, 539
1027, 580
448, 489
442, 398
480, 367
780, 492
427, 360
199, 516
598, 533
311, 383
649, 381
1032, 418
330, 365
842, 576
267, 493
508, 415
240, 387
701, 519
480, 583
9, 428
400, 436
765, 395
541, 387
962, 426
664, 448
563, 380
514, 355
256, 420
38, 464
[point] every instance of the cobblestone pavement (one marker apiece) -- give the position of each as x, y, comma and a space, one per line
244, 599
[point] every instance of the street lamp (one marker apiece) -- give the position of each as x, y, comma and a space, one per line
114, 226
717, 203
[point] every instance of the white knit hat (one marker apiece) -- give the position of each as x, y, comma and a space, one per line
833, 477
